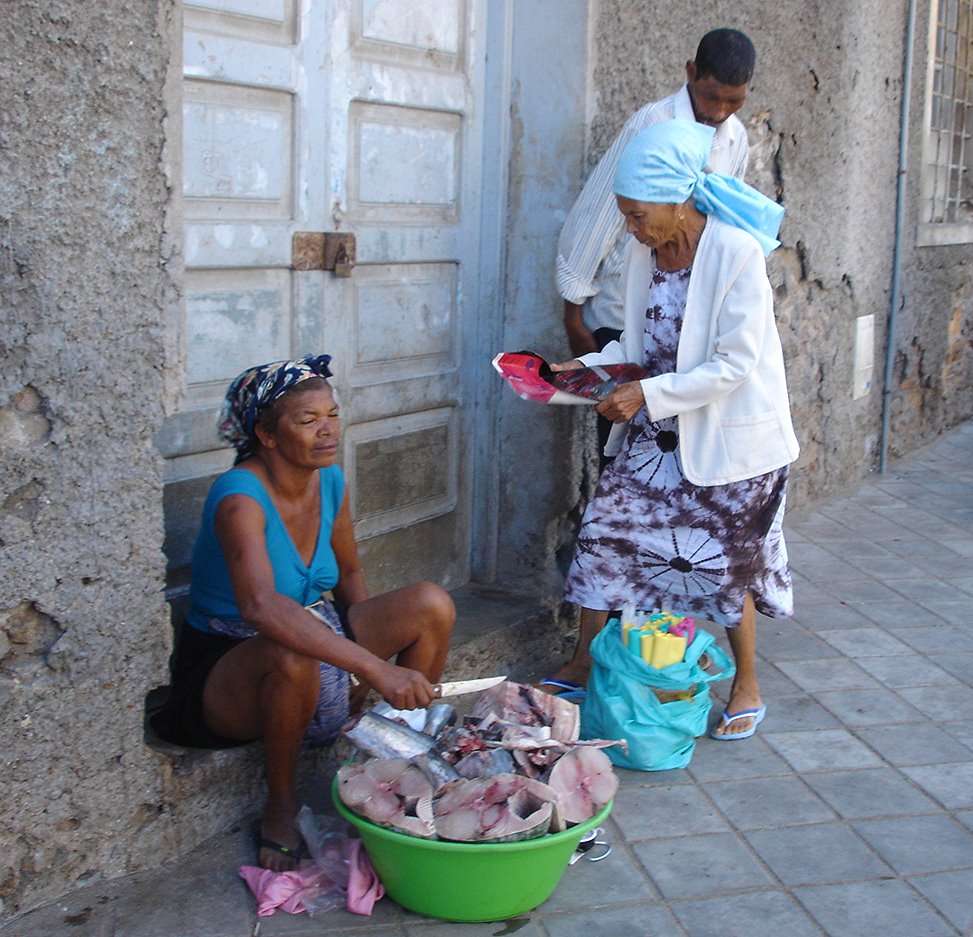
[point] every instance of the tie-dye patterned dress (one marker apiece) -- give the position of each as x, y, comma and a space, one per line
653, 539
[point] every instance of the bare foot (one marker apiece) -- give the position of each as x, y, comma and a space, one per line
282, 846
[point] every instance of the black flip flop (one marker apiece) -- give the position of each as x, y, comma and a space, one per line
296, 854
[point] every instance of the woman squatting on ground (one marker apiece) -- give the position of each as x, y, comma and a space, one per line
252, 661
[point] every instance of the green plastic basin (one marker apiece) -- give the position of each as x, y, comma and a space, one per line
467, 881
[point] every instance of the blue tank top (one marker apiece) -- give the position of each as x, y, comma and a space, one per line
211, 593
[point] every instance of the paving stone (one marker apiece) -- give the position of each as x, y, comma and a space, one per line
963, 731
922, 588
860, 591
816, 853
615, 880
758, 914
963, 583
948, 564
900, 614
951, 785
806, 593
822, 749
759, 803
951, 893
870, 792
831, 616
773, 683
795, 712
961, 546
919, 844
869, 707
909, 670
780, 645
872, 909
328, 922
865, 642
959, 666
667, 811
936, 639
941, 703
905, 745
633, 921
630, 778
525, 926
836, 674
889, 567
718, 761
687, 866
955, 611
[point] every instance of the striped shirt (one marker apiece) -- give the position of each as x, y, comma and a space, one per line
589, 251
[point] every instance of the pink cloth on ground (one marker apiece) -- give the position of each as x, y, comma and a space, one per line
287, 890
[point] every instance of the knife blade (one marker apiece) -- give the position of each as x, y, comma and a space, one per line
458, 687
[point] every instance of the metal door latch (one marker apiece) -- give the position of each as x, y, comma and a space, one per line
324, 250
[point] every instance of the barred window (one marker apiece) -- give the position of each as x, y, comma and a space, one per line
947, 181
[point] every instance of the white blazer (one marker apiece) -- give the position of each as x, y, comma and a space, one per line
729, 390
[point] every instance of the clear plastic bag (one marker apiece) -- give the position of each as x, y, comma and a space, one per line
327, 840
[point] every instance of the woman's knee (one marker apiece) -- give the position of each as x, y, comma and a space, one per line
436, 605
293, 668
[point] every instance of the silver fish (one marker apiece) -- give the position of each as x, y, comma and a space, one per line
437, 771
486, 763
382, 738
438, 716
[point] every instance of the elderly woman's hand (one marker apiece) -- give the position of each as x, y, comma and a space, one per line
622, 403
566, 365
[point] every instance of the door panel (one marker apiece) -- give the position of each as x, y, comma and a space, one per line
352, 116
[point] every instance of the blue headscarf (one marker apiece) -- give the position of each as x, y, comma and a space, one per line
257, 388
664, 163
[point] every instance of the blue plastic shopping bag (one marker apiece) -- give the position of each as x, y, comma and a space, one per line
621, 701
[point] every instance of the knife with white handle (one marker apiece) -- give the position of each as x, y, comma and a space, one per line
459, 687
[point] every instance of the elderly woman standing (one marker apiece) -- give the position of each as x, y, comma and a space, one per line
688, 517
253, 662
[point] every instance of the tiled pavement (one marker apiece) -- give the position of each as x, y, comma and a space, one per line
849, 814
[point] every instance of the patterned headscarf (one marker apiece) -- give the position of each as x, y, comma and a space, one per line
664, 164
256, 389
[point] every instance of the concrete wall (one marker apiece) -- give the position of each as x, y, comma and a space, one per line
823, 119
87, 298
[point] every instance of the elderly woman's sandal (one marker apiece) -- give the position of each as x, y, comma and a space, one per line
727, 720
566, 689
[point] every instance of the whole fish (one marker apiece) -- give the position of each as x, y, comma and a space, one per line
383, 738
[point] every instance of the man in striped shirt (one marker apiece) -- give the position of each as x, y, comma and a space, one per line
589, 251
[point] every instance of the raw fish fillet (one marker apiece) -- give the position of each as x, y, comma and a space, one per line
504, 808
584, 781
522, 704
391, 793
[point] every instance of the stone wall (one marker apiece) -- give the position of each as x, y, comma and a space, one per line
823, 121
86, 300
